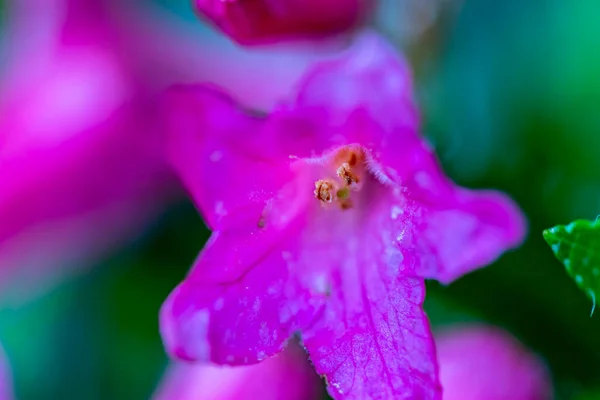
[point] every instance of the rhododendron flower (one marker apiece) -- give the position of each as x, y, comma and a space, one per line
481, 362
327, 215
287, 375
261, 21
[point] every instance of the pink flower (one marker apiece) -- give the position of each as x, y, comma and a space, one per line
6, 392
485, 363
327, 215
287, 375
80, 154
249, 22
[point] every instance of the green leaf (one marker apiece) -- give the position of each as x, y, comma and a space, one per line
577, 246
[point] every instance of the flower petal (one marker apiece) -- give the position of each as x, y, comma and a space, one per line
364, 95
482, 362
240, 303
219, 152
387, 351
285, 376
373, 339
463, 229
261, 21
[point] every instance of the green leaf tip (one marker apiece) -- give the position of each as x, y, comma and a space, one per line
577, 246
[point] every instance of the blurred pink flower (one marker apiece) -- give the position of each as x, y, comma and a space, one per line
261, 21
6, 392
286, 376
258, 79
80, 153
327, 215
78, 145
485, 363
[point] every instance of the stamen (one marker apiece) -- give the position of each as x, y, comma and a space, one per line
346, 174
323, 189
348, 164
353, 159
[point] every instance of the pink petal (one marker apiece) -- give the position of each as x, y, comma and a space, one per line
363, 96
220, 152
479, 362
78, 146
387, 350
373, 340
464, 229
240, 303
287, 375
270, 20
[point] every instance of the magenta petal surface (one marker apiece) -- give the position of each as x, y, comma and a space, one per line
481, 362
386, 350
241, 302
364, 95
219, 152
287, 375
261, 21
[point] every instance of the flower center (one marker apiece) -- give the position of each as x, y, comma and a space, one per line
349, 166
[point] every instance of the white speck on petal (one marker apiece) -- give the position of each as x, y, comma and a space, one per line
218, 305
396, 212
196, 329
400, 236
256, 305
422, 179
321, 284
215, 156
285, 314
337, 386
273, 289
220, 209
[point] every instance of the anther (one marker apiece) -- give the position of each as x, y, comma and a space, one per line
345, 173
323, 190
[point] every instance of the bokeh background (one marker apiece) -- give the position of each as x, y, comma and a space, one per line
510, 96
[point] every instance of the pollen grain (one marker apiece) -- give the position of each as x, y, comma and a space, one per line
323, 189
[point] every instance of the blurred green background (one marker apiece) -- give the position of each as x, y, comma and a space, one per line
510, 93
